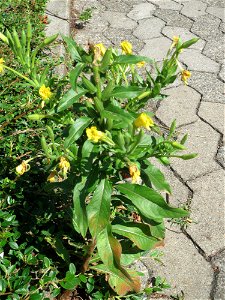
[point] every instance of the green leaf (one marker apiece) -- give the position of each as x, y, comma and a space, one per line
35, 296
189, 43
79, 220
76, 130
13, 245
127, 92
74, 74
72, 268
47, 262
150, 203
138, 233
98, 210
131, 59
156, 177
70, 98
72, 47
118, 114
70, 282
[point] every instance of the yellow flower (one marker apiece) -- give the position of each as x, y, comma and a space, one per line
175, 40
94, 135
45, 92
100, 49
134, 173
126, 47
1, 65
144, 120
22, 168
52, 177
185, 74
64, 165
140, 64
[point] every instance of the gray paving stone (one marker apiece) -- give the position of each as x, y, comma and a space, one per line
184, 34
194, 9
117, 5
57, 7
222, 27
173, 18
134, 2
209, 85
220, 156
215, 49
83, 37
149, 28
81, 5
222, 73
156, 48
118, 20
206, 26
207, 210
202, 139
184, 268
196, 61
216, 11
180, 105
116, 36
213, 113
169, 4
218, 3
141, 11
219, 288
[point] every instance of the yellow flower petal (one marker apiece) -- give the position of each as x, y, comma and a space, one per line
134, 173
1, 65
140, 64
144, 120
64, 164
45, 92
100, 48
22, 168
185, 75
126, 47
94, 135
52, 177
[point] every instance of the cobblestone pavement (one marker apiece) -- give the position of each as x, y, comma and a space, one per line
194, 259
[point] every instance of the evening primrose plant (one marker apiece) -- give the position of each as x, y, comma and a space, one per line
98, 149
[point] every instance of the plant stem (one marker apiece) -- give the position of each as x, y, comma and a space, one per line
21, 75
87, 258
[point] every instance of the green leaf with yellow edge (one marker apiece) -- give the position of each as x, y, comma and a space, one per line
156, 177
150, 203
98, 210
117, 281
138, 233
110, 250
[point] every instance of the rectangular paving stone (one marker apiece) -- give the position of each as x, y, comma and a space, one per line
208, 212
202, 139
183, 267
196, 61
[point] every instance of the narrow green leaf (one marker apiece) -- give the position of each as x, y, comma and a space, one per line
127, 92
118, 114
98, 210
131, 59
70, 98
138, 233
79, 220
72, 47
189, 43
76, 130
74, 74
150, 203
156, 177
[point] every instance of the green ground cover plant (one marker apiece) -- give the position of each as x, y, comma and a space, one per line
80, 196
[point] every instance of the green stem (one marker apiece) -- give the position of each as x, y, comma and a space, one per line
21, 75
